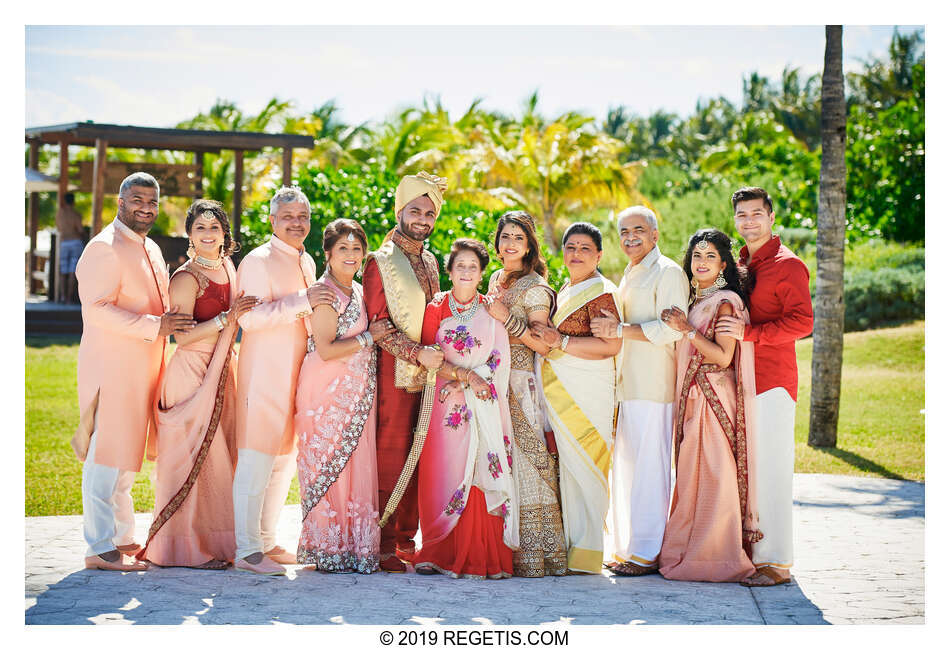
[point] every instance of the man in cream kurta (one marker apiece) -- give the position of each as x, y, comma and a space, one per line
641, 470
123, 288
281, 273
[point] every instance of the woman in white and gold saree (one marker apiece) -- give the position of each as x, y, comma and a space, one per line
578, 379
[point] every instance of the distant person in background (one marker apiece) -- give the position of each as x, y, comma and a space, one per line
123, 288
781, 313
640, 476
70, 232
713, 523
193, 524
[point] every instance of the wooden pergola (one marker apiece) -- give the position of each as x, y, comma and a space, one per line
175, 180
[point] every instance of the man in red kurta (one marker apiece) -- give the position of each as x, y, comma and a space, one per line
780, 311
399, 280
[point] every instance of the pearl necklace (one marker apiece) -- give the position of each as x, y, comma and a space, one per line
462, 314
204, 262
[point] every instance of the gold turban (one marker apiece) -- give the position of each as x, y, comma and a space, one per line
412, 187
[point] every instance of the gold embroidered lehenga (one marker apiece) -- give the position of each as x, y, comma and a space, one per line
543, 551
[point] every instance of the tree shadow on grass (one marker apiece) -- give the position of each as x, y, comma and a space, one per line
860, 462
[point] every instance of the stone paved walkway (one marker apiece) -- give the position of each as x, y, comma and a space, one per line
859, 559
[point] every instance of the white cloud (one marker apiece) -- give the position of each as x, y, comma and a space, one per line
44, 108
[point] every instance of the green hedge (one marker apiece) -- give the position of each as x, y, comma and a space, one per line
367, 195
878, 297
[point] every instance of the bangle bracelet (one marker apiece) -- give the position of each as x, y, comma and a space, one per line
564, 340
455, 373
219, 322
619, 330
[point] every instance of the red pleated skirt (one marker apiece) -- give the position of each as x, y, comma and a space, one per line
474, 549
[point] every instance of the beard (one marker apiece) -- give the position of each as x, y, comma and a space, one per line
128, 218
404, 229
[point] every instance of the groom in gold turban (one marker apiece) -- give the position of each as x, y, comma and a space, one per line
398, 282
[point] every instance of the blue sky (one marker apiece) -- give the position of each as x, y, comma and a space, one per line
157, 76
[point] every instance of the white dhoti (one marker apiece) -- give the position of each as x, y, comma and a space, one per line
260, 489
774, 467
108, 517
641, 473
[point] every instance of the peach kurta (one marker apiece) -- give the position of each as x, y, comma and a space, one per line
273, 345
123, 288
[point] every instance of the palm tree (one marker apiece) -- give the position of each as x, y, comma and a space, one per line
335, 142
551, 168
224, 115
829, 291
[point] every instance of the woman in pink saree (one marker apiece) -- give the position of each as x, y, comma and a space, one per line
335, 417
713, 521
468, 497
196, 452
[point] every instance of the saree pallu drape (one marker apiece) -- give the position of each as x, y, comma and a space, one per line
578, 396
196, 453
335, 424
541, 532
466, 464
713, 521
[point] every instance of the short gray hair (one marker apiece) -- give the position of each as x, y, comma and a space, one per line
288, 195
138, 179
639, 211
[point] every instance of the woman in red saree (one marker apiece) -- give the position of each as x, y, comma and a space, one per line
335, 417
196, 452
468, 498
713, 521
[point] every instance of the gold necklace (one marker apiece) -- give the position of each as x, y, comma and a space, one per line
345, 288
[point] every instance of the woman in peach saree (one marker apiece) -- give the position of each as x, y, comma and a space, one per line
712, 523
335, 417
195, 455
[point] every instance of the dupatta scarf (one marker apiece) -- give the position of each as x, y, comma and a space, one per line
469, 441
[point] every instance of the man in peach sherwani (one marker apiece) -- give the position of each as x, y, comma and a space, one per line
123, 289
282, 275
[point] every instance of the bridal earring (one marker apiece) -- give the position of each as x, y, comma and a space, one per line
720, 280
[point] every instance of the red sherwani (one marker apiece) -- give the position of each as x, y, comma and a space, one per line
780, 311
397, 410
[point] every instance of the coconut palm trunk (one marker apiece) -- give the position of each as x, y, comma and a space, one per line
829, 291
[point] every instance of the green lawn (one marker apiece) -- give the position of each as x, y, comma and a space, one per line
881, 431
880, 427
